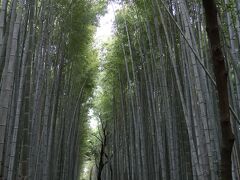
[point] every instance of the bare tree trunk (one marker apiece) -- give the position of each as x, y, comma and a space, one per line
221, 75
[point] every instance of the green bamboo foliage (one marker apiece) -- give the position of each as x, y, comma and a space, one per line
160, 102
165, 104
47, 76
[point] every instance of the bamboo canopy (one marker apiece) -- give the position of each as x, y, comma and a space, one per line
165, 90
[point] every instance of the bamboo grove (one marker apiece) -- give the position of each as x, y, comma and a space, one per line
163, 106
47, 70
167, 98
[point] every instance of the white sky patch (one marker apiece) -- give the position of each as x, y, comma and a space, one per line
93, 122
105, 30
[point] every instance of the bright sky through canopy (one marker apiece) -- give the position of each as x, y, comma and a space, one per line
104, 32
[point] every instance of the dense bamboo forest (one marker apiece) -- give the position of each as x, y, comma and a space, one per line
163, 91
